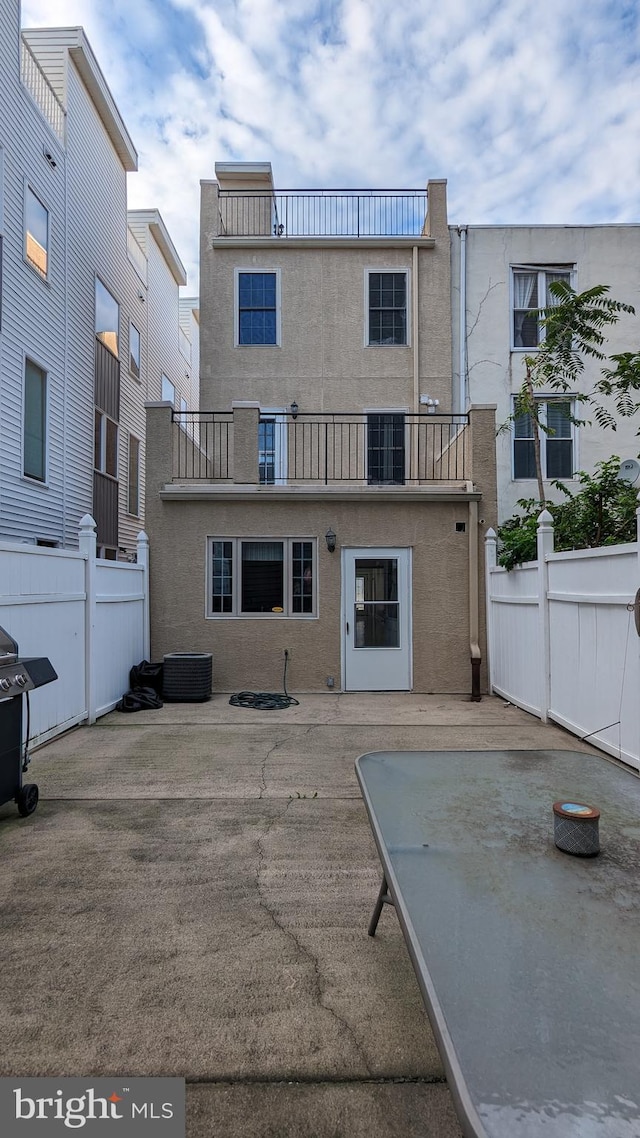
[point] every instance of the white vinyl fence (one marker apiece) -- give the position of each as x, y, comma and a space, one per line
564, 639
88, 615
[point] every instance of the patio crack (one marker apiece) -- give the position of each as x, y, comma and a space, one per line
320, 984
280, 743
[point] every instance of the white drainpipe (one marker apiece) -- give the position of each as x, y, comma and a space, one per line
462, 388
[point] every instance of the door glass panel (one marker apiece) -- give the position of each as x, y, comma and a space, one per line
376, 603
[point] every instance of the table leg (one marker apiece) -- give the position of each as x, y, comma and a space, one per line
384, 898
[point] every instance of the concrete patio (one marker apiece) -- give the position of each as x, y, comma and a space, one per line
192, 896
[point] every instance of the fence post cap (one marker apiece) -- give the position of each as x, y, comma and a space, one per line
545, 519
86, 523
491, 534
142, 538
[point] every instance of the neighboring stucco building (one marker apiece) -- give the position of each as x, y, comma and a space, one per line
326, 502
500, 276
80, 301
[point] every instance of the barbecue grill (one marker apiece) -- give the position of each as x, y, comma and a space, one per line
18, 676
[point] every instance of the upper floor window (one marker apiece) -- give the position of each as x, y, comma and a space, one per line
35, 422
557, 442
168, 390
36, 228
107, 318
105, 457
134, 476
134, 351
530, 294
257, 308
387, 308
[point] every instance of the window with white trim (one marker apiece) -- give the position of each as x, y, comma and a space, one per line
105, 454
34, 440
257, 320
387, 308
530, 294
134, 476
134, 351
272, 448
262, 577
557, 442
168, 390
107, 318
36, 233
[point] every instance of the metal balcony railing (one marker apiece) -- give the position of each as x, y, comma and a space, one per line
372, 448
322, 213
203, 445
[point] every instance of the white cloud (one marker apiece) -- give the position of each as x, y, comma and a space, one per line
530, 111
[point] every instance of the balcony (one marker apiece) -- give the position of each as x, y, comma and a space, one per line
322, 213
41, 91
367, 449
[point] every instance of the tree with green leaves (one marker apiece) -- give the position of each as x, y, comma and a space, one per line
574, 328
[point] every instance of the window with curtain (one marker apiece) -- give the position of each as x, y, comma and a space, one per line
557, 443
530, 290
269, 577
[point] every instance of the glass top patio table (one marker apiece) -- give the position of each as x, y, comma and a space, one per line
528, 958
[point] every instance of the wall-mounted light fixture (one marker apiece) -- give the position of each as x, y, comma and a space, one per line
330, 539
294, 410
431, 404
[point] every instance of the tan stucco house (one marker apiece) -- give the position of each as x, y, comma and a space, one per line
324, 501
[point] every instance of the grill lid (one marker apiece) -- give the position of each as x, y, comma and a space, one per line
8, 647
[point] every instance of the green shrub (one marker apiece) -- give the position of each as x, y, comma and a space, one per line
603, 512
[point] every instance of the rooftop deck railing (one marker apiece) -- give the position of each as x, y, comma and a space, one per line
371, 448
322, 213
41, 90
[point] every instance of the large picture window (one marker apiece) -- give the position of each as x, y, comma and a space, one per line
557, 443
262, 577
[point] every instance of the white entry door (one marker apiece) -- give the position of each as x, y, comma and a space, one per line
376, 619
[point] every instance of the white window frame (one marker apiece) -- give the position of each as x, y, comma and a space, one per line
133, 513
542, 271
99, 334
279, 416
32, 478
164, 377
236, 613
544, 400
103, 444
43, 276
369, 269
261, 271
138, 375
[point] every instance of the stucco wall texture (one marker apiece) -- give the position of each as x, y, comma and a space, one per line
322, 361
249, 652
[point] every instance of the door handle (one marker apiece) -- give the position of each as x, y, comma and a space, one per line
347, 628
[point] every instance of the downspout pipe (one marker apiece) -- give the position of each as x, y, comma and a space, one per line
474, 606
462, 381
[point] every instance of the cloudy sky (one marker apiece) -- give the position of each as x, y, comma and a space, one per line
530, 108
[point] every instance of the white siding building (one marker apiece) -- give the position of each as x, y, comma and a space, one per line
500, 274
82, 298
